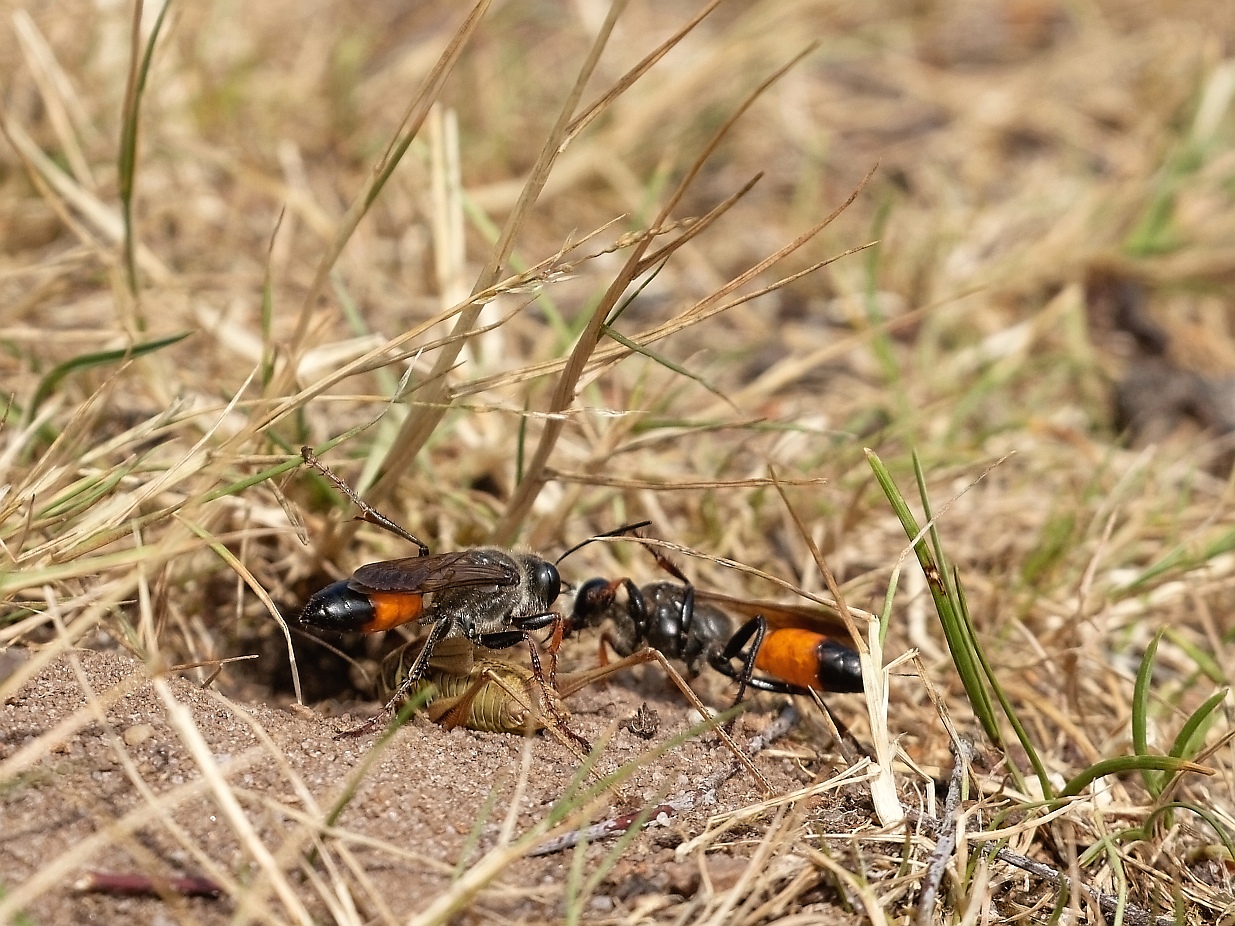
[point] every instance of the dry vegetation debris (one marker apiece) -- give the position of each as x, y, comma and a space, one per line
514, 316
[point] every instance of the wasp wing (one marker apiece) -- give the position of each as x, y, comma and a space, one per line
819, 618
418, 575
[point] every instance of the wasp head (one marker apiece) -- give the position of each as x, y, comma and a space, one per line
543, 580
592, 603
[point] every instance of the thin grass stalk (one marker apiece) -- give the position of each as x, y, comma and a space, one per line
139, 71
874, 678
54, 874
632, 76
563, 395
417, 111
180, 718
267, 307
247, 577
700, 312
575, 799
420, 425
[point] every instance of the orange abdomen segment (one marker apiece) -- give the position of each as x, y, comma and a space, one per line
792, 655
393, 609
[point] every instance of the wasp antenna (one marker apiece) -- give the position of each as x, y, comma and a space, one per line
616, 532
665, 563
368, 513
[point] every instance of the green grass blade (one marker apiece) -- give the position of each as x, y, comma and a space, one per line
972, 666
959, 642
127, 159
1005, 702
1121, 765
1192, 734
102, 358
1140, 713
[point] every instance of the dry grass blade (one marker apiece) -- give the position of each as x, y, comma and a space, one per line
182, 721
57, 871
419, 426
630, 77
64, 107
528, 286
228, 557
63, 192
874, 681
564, 392
417, 111
702, 311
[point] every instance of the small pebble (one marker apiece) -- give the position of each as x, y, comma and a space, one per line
137, 734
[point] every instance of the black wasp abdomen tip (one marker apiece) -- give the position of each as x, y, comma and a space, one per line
840, 667
338, 607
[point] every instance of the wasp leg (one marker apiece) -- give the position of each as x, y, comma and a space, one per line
367, 512
648, 654
417, 669
505, 639
756, 627
637, 608
539, 622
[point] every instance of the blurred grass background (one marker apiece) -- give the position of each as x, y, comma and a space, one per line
1052, 277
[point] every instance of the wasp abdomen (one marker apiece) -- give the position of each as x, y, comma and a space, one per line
391, 610
338, 607
840, 667
809, 660
345, 609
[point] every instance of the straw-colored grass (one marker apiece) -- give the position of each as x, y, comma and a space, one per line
525, 272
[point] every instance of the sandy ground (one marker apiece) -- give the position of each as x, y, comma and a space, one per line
422, 799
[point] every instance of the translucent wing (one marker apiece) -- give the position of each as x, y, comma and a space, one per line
422, 574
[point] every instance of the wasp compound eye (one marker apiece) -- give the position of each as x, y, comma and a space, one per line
544, 579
